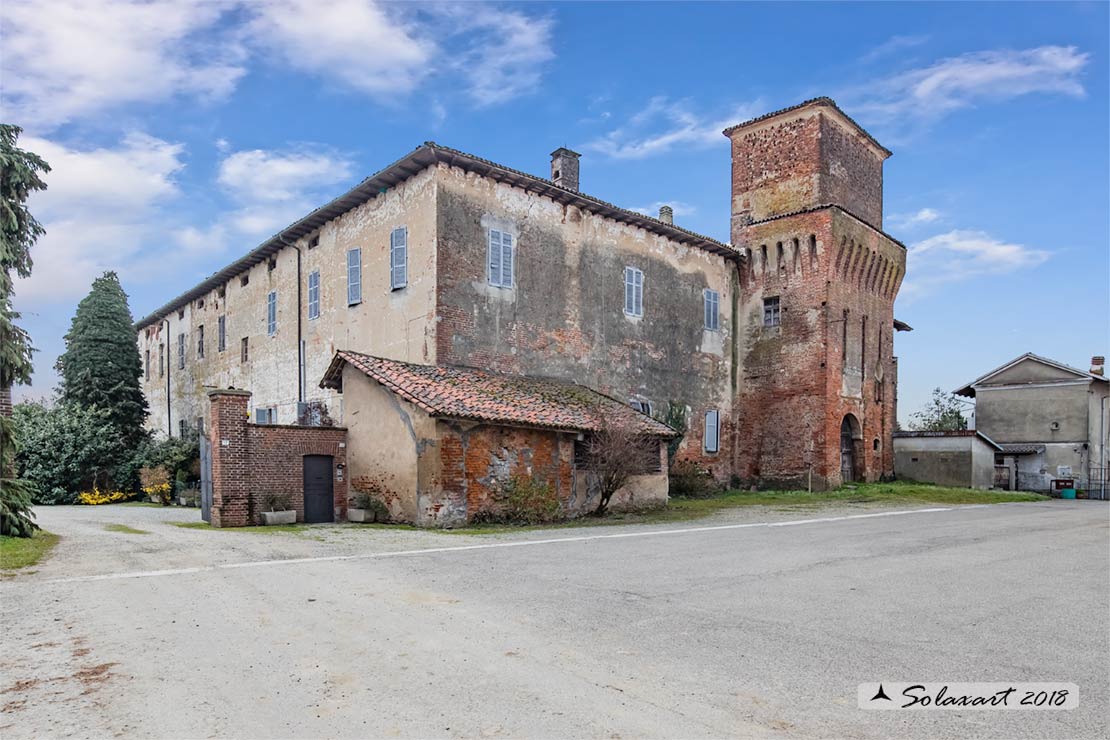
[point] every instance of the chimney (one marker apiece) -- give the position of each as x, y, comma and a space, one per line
666, 214
1098, 365
564, 168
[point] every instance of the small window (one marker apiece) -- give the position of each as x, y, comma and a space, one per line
272, 265
712, 310
271, 313
712, 431
314, 242
875, 445
200, 303
147, 364
244, 353
181, 314
500, 259
221, 333
644, 407
813, 249
244, 281
265, 415
771, 311
181, 351
314, 294
221, 292
633, 291
200, 342
182, 428
398, 258
354, 277
161, 360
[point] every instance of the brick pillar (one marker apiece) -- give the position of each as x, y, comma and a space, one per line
230, 458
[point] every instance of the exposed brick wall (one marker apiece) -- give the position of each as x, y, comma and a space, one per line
807, 157
800, 379
476, 461
260, 460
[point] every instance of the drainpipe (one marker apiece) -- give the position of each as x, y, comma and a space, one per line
1102, 445
300, 351
169, 366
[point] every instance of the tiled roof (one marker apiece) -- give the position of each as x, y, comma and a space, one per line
1022, 449
951, 433
424, 156
464, 393
812, 102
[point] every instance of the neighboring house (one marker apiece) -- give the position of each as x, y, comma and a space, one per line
776, 350
964, 459
1051, 420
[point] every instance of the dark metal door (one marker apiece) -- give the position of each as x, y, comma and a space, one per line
205, 478
847, 453
319, 505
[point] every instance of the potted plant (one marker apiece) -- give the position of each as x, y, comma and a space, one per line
367, 508
279, 510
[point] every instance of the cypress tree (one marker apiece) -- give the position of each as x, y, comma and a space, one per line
101, 365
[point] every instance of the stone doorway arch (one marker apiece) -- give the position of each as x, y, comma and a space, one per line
850, 436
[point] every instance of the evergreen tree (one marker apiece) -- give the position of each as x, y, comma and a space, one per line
20, 175
101, 365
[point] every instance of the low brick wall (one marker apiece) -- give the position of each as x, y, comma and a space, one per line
252, 462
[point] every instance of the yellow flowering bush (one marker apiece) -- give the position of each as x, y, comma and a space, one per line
160, 491
95, 497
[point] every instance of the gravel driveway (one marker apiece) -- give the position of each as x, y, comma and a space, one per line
758, 623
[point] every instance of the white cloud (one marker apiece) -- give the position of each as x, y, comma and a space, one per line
664, 125
99, 207
928, 93
374, 48
911, 220
71, 58
963, 255
893, 45
680, 208
389, 49
272, 188
504, 51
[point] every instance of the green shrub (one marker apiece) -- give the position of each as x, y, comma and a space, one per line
373, 504
687, 480
527, 501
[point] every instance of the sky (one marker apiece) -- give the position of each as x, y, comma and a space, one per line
181, 134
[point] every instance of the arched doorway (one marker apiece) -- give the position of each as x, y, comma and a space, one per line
849, 433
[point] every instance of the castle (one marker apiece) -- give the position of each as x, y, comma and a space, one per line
774, 352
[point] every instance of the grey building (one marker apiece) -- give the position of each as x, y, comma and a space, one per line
963, 459
1049, 419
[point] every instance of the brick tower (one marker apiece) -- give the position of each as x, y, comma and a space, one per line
816, 372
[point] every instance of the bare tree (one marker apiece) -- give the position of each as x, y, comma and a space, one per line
616, 452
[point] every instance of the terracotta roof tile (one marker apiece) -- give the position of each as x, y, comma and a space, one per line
465, 393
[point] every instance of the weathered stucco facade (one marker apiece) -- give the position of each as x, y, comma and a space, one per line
689, 343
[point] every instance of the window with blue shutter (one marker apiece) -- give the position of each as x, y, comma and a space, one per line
271, 313
633, 291
354, 276
500, 259
712, 430
221, 340
181, 351
314, 294
712, 310
398, 258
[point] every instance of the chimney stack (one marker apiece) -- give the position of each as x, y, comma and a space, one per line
666, 214
1098, 365
564, 168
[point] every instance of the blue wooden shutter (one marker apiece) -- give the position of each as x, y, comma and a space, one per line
354, 276
506, 260
494, 257
712, 430
399, 258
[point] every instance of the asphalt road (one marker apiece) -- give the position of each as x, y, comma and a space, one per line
739, 630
